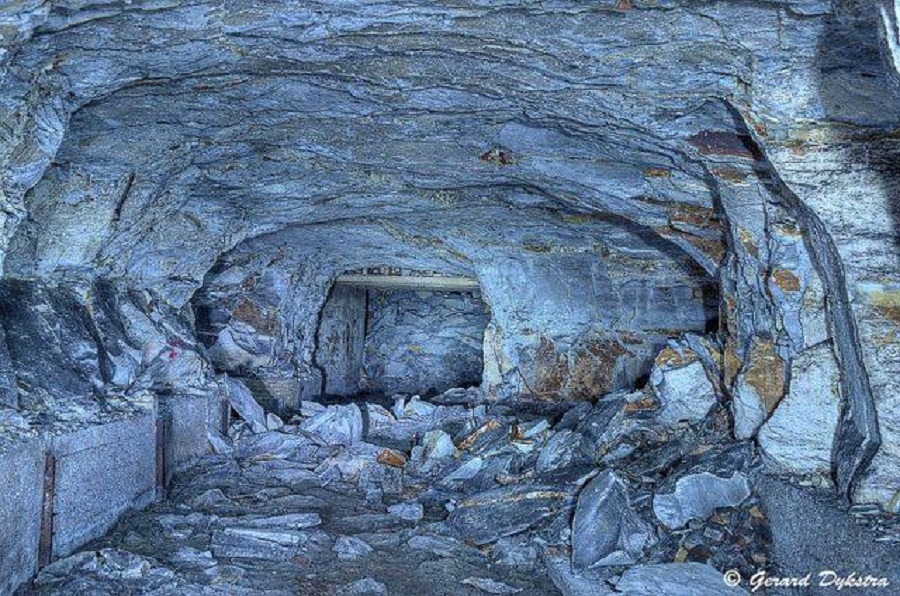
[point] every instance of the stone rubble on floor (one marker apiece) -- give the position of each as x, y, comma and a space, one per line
446, 498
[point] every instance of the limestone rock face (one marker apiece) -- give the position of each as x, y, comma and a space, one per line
800, 434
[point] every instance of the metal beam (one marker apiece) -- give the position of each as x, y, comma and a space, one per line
446, 283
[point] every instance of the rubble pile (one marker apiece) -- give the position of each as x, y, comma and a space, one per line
453, 495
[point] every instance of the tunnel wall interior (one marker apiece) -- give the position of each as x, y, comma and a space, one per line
180, 185
423, 341
388, 341
340, 345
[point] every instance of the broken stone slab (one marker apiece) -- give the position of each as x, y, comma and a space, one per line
445, 546
337, 425
799, 436
350, 548
516, 552
363, 587
570, 582
490, 586
697, 496
679, 382
211, 499
242, 402
260, 543
311, 408
191, 557
412, 512
276, 444
288, 521
219, 444
379, 416
466, 471
437, 445
273, 422
459, 396
284, 471
758, 389
605, 528
532, 430
487, 516
747, 410
415, 407
675, 579
564, 449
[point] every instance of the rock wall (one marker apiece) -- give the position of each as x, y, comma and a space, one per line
424, 342
341, 340
238, 156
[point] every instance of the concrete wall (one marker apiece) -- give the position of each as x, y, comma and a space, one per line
186, 418
101, 471
341, 340
22, 474
279, 394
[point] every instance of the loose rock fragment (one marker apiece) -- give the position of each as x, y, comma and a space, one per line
605, 529
337, 425
490, 586
682, 387
563, 450
349, 548
243, 403
697, 496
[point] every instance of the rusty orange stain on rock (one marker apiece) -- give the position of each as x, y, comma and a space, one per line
730, 174
765, 372
786, 280
392, 458
470, 440
656, 172
723, 142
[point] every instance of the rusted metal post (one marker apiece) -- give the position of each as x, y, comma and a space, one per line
226, 416
161, 458
45, 543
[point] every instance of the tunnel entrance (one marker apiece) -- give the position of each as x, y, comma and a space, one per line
388, 330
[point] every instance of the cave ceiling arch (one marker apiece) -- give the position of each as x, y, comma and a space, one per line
375, 110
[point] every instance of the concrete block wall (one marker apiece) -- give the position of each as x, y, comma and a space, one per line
96, 474
101, 472
22, 474
185, 419
277, 394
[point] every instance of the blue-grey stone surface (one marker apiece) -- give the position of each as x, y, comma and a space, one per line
182, 181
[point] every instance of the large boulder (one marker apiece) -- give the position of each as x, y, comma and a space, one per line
680, 384
798, 438
337, 425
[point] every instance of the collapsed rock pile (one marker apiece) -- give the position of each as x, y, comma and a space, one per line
636, 494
